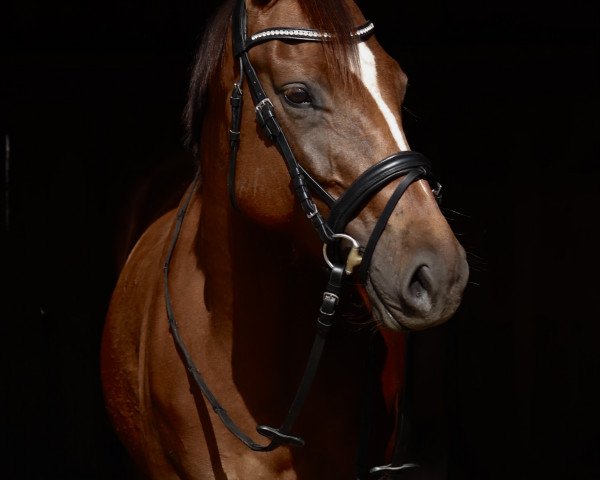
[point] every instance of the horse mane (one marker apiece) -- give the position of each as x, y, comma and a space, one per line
327, 15
205, 64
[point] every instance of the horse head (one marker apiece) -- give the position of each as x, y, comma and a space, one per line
338, 102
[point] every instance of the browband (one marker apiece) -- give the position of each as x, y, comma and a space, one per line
242, 43
301, 35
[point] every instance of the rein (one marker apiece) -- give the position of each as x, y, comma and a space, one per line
408, 164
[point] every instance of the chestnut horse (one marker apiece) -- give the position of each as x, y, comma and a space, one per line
211, 322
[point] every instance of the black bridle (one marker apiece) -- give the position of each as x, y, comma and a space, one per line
407, 164
412, 165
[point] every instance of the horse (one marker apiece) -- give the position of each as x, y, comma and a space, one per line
308, 204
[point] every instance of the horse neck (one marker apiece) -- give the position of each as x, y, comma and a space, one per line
263, 295
254, 278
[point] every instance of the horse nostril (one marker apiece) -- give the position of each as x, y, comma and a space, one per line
420, 289
419, 282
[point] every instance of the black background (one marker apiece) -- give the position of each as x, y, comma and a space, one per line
503, 96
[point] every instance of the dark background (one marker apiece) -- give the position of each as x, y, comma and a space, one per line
503, 96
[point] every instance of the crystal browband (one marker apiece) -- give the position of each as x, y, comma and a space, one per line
303, 34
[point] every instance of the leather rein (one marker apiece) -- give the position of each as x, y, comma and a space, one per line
408, 164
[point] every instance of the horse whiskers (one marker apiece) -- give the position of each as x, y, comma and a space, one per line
475, 269
476, 262
450, 210
477, 257
370, 325
412, 114
358, 320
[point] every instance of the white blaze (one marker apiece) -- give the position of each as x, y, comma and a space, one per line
368, 75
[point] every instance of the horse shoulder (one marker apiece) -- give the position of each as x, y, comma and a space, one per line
137, 349
125, 336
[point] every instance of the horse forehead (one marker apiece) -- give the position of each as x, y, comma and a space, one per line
374, 61
281, 13
383, 82
289, 13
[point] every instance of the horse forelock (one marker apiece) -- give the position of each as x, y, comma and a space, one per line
333, 16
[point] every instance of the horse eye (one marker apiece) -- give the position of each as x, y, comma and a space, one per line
297, 96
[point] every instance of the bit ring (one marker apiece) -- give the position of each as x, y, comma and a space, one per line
336, 236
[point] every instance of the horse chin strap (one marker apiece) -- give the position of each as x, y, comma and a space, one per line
409, 165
